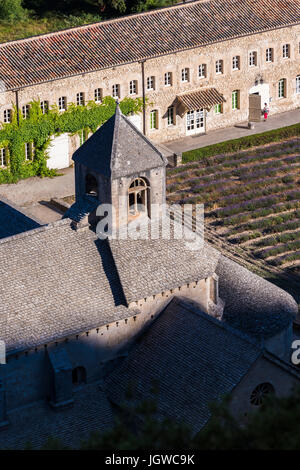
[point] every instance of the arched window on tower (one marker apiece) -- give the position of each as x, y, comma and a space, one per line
79, 375
91, 185
137, 198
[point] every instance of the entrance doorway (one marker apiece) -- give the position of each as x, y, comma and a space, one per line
255, 107
195, 122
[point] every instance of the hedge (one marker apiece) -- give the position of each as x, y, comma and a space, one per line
242, 143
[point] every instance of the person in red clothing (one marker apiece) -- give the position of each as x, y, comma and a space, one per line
266, 112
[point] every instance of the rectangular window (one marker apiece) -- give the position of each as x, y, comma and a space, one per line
235, 100
298, 84
98, 95
25, 111
170, 115
213, 290
80, 99
281, 88
168, 79
116, 91
150, 83
29, 151
185, 75
133, 87
202, 71
3, 157
62, 103
219, 66
218, 108
153, 119
252, 58
44, 106
286, 51
7, 115
236, 62
269, 54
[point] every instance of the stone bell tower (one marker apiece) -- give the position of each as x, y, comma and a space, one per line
118, 165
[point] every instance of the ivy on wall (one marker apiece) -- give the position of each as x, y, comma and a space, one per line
38, 128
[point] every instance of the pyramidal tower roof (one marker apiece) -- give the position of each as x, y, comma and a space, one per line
119, 149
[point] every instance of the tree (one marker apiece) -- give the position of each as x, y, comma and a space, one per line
12, 10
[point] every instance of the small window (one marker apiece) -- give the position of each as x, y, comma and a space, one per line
269, 54
213, 290
80, 99
29, 151
218, 108
170, 116
260, 393
298, 84
78, 375
151, 83
133, 87
185, 75
168, 79
286, 51
235, 99
236, 62
3, 157
91, 185
44, 106
252, 58
153, 119
116, 91
98, 95
282, 88
7, 115
62, 103
219, 66
137, 197
202, 71
25, 111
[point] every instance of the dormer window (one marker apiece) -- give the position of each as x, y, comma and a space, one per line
137, 198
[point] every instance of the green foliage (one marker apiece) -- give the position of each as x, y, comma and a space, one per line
242, 143
38, 129
11, 10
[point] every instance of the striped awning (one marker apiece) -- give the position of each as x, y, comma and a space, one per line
200, 99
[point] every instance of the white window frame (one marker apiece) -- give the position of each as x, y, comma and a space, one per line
151, 83
185, 75
298, 84
62, 103
153, 119
80, 98
235, 100
25, 111
202, 71
286, 51
133, 87
218, 109
3, 157
98, 95
168, 79
7, 115
29, 151
281, 88
171, 116
269, 55
236, 62
219, 66
44, 106
252, 59
115, 90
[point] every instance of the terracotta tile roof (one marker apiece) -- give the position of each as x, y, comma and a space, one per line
200, 99
145, 35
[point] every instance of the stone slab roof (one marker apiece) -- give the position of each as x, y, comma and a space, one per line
201, 99
81, 208
190, 359
252, 304
119, 149
136, 37
13, 219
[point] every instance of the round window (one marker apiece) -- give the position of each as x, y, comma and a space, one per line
260, 392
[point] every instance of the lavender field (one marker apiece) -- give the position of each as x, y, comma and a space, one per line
251, 199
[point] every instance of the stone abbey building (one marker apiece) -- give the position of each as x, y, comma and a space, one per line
84, 318
199, 66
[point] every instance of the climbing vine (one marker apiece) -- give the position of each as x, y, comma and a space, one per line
38, 128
